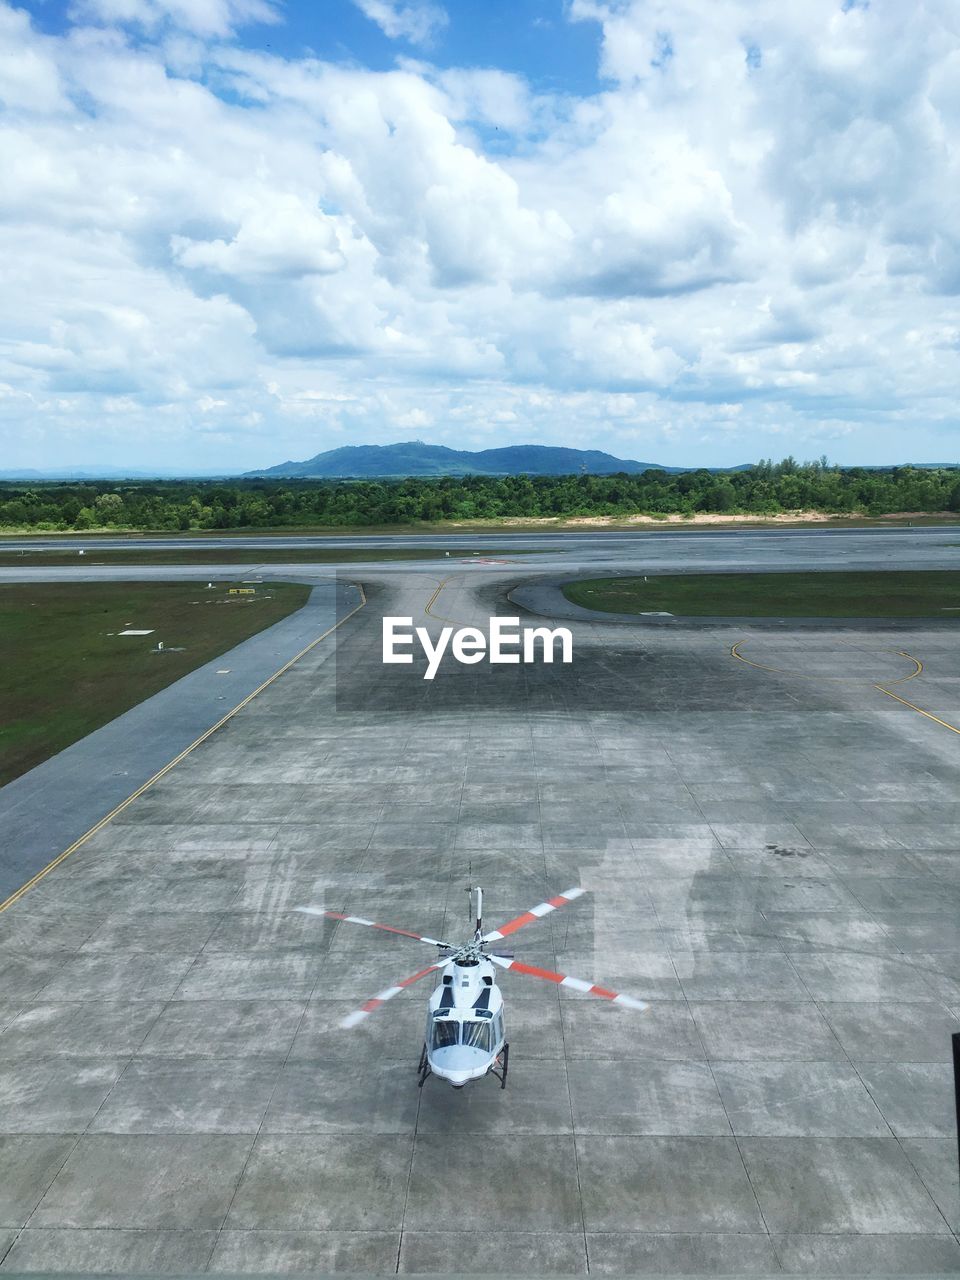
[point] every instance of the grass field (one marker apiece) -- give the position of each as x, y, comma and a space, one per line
232, 555
932, 593
64, 670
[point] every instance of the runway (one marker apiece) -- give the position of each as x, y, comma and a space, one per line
767, 826
931, 547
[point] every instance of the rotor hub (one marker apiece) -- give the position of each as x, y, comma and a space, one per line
469, 954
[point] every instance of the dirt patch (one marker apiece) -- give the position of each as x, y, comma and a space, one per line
918, 515
701, 518
704, 517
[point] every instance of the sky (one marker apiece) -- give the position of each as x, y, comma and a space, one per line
235, 232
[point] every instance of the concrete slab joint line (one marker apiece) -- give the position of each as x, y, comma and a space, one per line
118, 809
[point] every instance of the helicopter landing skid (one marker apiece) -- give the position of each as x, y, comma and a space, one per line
423, 1067
503, 1061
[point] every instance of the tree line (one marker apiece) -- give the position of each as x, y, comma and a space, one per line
768, 488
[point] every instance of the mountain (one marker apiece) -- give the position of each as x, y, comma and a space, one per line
414, 458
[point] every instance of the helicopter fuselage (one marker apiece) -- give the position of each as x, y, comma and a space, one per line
465, 1029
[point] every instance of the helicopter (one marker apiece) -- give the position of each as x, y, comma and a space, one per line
465, 1035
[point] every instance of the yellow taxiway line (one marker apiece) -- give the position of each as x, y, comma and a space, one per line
929, 714
428, 607
799, 675
45, 871
433, 599
901, 653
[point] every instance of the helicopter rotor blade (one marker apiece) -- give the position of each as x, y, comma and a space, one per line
535, 913
374, 1003
564, 980
371, 924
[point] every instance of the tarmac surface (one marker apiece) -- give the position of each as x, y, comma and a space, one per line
769, 837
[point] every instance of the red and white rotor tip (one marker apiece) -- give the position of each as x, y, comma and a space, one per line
573, 984
371, 924
374, 1003
535, 913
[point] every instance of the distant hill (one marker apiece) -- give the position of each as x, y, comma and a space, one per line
414, 458
80, 475
76, 473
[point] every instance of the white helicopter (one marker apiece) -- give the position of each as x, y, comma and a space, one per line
465, 1036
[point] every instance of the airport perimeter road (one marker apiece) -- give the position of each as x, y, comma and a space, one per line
770, 844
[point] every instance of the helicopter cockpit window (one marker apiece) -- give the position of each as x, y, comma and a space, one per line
444, 1033
477, 1036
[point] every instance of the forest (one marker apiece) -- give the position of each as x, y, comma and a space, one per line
768, 488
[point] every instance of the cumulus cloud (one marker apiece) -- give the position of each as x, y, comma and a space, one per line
751, 233
416, 20
29, 78
203, 17
277, 236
